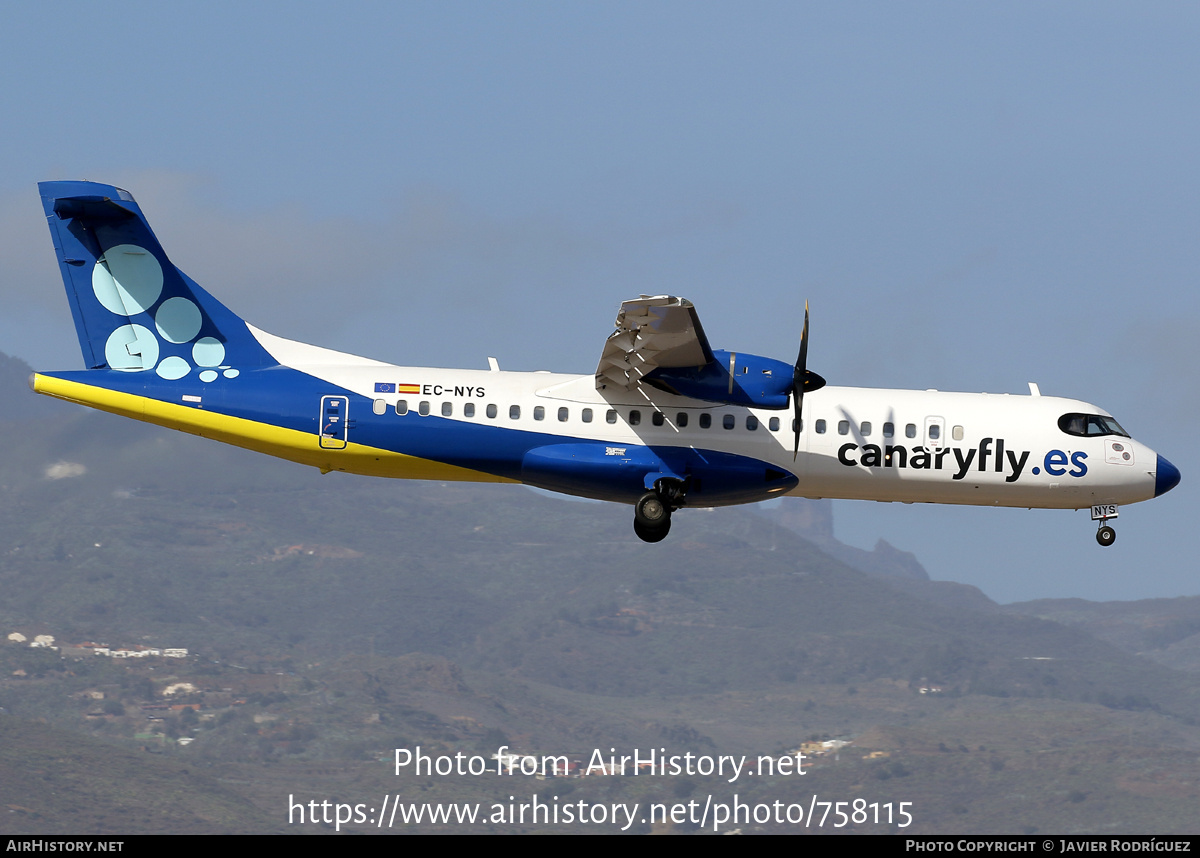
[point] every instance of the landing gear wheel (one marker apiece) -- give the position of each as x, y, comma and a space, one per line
651, 518
651, 534
651, 512
1106, 536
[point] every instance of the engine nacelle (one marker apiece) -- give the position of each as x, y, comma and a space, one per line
733, 378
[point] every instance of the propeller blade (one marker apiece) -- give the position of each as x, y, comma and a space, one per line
798, 404
802, 380
802, 358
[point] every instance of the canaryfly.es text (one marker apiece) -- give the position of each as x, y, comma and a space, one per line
989, 455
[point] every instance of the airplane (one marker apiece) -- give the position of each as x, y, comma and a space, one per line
665, 422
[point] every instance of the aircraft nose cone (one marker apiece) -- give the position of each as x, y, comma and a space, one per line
1166, 477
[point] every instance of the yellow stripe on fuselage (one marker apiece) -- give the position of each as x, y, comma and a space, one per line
290, 444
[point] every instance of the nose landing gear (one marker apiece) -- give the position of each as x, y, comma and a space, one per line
652, 512
1106, 536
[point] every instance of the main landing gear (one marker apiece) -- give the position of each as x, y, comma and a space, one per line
652, 512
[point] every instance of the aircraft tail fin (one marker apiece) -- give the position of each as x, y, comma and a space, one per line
133, 309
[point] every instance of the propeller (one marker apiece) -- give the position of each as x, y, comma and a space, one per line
803, 380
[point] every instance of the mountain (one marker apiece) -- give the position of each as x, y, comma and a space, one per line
1166, 631
332, 619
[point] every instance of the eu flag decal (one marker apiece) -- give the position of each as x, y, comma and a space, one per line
385, 387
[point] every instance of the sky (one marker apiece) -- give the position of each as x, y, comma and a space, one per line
969, 196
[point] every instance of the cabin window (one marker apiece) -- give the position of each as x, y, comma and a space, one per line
728, 421
402, 406
843, 427
562, 415
910, 431
587, 415
820, 427
957, 433
1105, 426
423, 408
773, 424
657, 418
800, 428
705, 420
681, 419
539, 413
469, 409
1090, 424
447, 409
889, 430
611, 416
635, 417
491, 411
751, 422
935, 431
379, 406
865, 429
1073, 424
514, 412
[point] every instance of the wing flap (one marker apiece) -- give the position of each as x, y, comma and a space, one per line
652, 332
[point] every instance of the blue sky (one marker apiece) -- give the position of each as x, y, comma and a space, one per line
970, 196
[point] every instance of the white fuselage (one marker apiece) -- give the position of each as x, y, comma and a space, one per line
857, 443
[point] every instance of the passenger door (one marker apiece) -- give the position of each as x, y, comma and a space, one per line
335, 422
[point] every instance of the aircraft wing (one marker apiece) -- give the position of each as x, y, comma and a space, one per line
661, 332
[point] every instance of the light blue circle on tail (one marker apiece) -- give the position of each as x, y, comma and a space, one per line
127, 280
208, 352
130, 348
178, 320
173, 368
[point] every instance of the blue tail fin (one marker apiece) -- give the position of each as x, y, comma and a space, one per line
134, 310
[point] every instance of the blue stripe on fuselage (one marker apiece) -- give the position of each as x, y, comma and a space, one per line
289, 398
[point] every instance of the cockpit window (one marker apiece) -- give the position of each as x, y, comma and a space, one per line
1090, 425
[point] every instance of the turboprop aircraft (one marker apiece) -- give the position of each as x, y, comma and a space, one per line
664, 422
